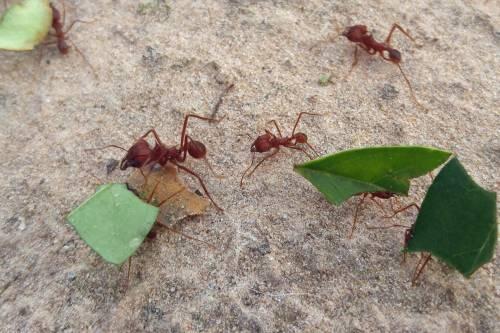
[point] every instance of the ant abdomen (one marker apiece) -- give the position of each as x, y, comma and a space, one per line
197, 149
300, 137
394, 55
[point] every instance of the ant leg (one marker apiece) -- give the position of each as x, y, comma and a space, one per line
265, 158
277, 127
312, 148
184, 126
83, 57
194, 174
418, 271
244, 173
396, 212
209, 165
377, 203
356, 213
354, 62
411, 89
302, 150
300, 116
128, 271
157, 137
394, 27
77, 21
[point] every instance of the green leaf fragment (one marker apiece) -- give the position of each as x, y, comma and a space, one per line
342, 175
25, 25
113, 222
457, 221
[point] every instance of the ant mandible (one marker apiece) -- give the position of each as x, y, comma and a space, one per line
359, 34
268, 141
141, 154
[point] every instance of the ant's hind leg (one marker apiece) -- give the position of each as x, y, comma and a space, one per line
356, 212
302, 150
262, 161
418, 271
400, 210
394, 27
300, 116
194, 174
246, 170
354, 62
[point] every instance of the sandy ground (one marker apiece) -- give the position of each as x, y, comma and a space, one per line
284, 262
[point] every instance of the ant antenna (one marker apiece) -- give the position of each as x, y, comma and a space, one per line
105, 147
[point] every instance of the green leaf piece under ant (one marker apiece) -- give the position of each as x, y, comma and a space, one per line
457, 222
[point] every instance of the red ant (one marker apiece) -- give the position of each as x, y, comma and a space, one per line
141, 154
62, 40
268, 141
359, 34
424, 259
386, 195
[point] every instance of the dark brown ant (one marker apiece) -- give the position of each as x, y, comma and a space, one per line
385, 195
268, 141
359, 34
141, 154
58, 22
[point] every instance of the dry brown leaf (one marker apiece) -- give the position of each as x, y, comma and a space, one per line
180, 202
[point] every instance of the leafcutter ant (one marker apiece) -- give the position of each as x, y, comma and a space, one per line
141, 154
269, 142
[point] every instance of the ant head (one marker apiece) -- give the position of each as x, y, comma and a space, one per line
300, 137
355, 32
137, 155
394, 56
262, 144
197, 149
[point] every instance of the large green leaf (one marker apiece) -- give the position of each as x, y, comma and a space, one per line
457, 221
389, 169
113, 222
25, 25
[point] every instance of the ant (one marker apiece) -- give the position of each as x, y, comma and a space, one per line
408, 235
268, 141
385, 195
359, 34
141, 154
58, 22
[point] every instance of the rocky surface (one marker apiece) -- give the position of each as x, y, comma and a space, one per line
284, 262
